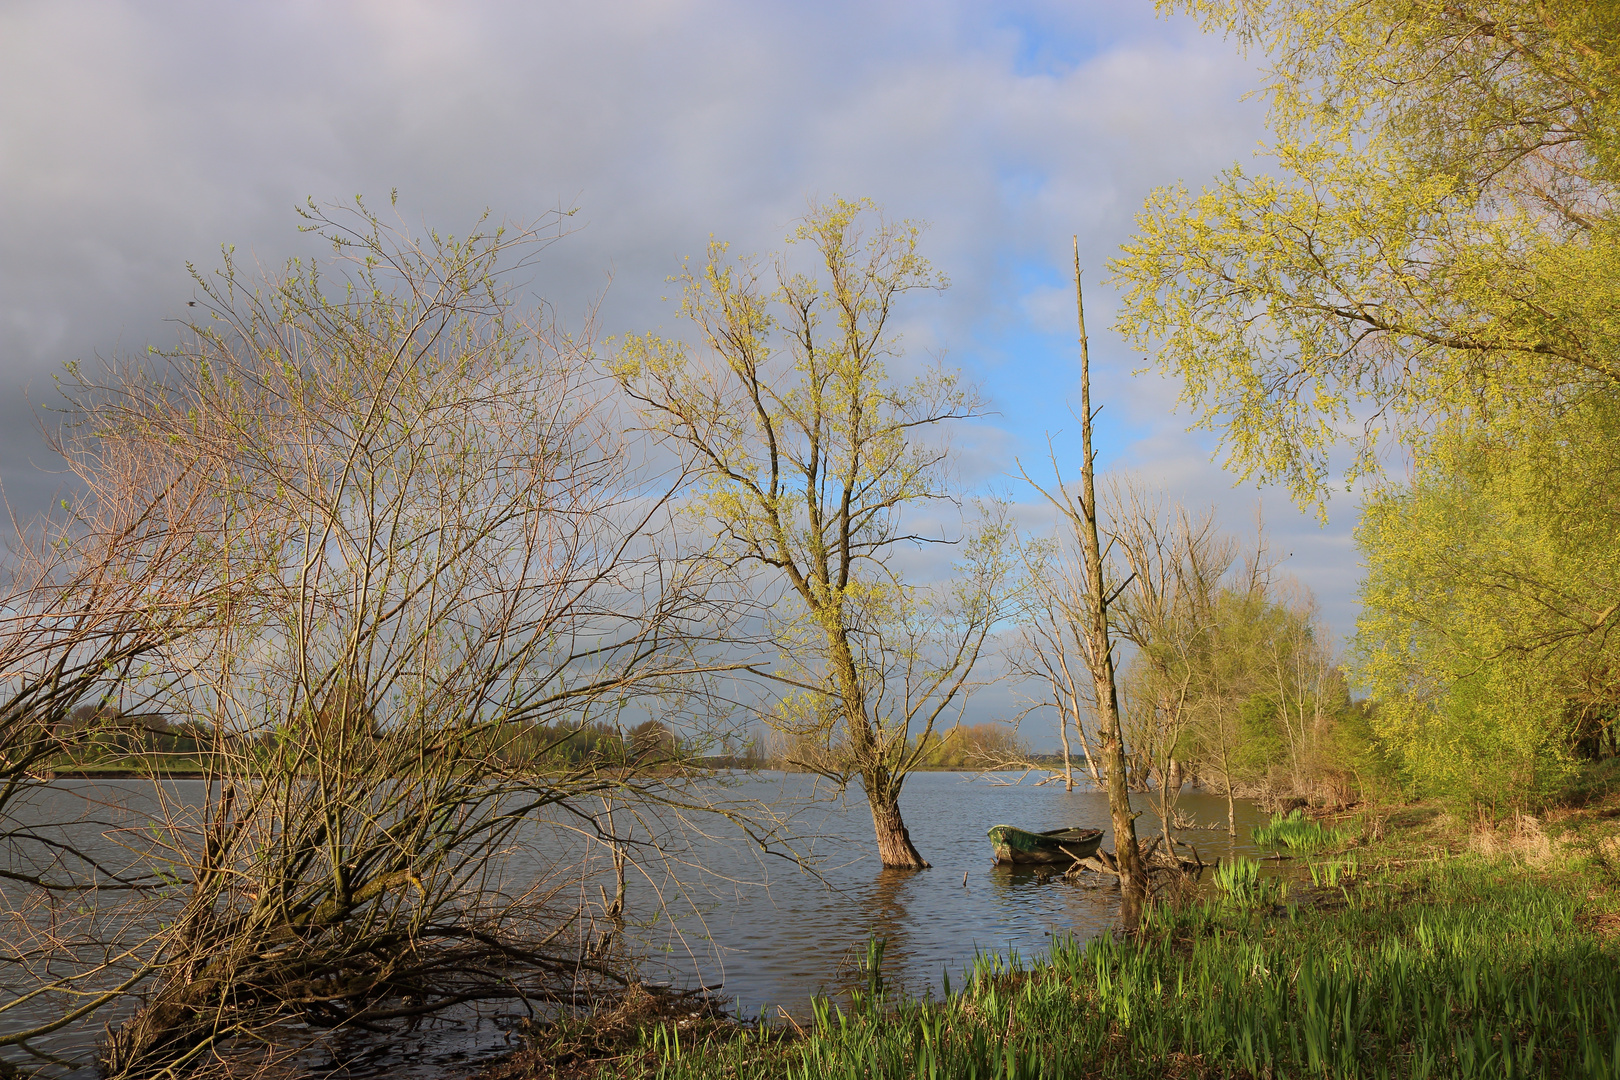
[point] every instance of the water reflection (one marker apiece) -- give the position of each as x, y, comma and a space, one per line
762, 931
780, 945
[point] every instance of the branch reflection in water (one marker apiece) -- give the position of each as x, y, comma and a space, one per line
764, 932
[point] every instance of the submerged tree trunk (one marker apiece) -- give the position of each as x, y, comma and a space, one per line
1063, 733
1169, 791
1127, 855
893, 839
1231, 806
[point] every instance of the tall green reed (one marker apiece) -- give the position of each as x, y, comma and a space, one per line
1298, 833
1240, 881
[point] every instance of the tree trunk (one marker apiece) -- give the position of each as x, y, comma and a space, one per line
1169, 789
1094, 637
1063, 733
615, 910
1226, 782
1127, 855
894, 841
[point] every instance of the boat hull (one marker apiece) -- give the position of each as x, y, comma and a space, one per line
1020, 847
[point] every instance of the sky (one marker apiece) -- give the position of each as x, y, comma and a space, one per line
138, 137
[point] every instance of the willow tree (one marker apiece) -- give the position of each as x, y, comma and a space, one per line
1493, 582
440, 543
813, 455
1433, 235
1428, 259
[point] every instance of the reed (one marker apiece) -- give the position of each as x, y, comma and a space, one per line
1331, 873
1239, 881
1464, 969
1298, 833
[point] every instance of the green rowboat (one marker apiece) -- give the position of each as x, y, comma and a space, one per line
1022, 847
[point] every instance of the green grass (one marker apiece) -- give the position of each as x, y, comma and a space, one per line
1298, 833
126, 765
1240, 883
1460, 968
1330, 873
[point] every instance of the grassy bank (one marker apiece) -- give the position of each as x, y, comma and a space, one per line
1426, 959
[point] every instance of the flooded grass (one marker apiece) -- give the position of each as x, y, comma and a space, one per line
1298, 833
1467, 967
1240, 882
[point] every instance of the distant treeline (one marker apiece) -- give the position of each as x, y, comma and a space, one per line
103, 735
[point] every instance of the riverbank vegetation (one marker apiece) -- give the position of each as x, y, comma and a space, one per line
1421, 268
1414, 270
1448, 949
408, 574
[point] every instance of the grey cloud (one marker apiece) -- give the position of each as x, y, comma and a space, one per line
138, 136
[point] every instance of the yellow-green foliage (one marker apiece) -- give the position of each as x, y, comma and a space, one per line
1431, 229
807, 450
810, 457
1258, 695
1428, 250
1490, 600
973, 746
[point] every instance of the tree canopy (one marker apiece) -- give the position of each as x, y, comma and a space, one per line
1425, 260
812, 459
1433, 237
1489, 607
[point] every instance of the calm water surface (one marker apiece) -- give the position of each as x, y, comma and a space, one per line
797, 936
762, 932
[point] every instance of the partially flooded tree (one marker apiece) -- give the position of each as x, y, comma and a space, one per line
91, 594
440, 544
1093, 598
814, 457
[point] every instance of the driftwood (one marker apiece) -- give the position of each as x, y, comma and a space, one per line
1154, 861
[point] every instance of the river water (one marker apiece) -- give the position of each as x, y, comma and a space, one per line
761, 931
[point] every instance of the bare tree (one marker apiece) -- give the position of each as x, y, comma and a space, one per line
1166, 611
813, 455
1079, 513
440, 544
1051, 640
92, 595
